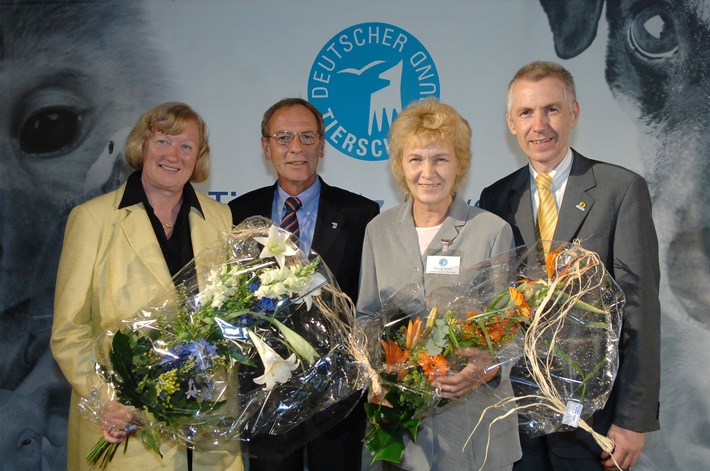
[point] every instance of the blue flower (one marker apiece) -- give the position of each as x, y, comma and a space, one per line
192, 391
202, 352
265, 305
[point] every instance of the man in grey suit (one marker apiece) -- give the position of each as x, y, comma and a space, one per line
608, 208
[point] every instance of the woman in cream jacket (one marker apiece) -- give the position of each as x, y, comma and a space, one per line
120, 250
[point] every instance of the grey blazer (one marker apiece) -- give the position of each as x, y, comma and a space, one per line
390, 260
608, 208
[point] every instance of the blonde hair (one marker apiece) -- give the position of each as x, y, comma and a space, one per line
168, 118
427, 122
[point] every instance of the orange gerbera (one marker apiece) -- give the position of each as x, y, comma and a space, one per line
519, 299
395, 357
434, 366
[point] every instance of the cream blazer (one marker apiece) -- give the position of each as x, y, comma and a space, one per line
111, 265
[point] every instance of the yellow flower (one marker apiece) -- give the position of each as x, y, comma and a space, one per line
432, 317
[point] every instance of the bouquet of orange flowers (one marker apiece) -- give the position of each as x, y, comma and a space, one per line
557, 319
414, 350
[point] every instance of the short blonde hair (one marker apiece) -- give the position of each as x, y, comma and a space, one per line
427, 122
168, 118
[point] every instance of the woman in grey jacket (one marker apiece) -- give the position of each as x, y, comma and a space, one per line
430, 153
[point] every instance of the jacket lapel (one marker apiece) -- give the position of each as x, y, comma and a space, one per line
520, 201
407, 232
329, 222
451, 227
576, 203
141, 238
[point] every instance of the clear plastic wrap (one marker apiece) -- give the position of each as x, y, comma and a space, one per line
571, 353
554, 323
255, 340
424, 333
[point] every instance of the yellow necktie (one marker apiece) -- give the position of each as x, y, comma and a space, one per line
547, 210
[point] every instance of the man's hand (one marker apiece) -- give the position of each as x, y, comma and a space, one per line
627, 448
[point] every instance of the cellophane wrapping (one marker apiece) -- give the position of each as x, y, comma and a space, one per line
254, 340
550, 324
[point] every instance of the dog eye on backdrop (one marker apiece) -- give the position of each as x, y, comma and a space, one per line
51, 123
50, 131
652, 32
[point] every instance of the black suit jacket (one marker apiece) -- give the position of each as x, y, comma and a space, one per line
338, 238
339, 232
608, 208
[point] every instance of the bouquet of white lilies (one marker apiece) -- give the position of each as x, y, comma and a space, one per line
255, 339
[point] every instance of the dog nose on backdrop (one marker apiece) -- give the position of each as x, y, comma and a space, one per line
689, 268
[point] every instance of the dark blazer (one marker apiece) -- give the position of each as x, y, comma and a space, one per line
337, 238
339, 232
608, 208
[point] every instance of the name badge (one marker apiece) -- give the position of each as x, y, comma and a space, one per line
443, 265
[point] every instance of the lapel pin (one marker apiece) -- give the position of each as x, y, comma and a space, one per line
335, 225
445, 243
582, 206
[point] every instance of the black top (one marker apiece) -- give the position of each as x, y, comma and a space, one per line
177, 250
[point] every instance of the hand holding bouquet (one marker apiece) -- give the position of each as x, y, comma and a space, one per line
424, 365
571, 344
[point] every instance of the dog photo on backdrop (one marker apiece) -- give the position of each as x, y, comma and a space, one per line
658, 69
71, 76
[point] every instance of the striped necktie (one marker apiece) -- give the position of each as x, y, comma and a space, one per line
290, 221
547, 209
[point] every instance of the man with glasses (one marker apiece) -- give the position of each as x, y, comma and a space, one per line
331, 221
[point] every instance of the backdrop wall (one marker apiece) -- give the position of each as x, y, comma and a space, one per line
75, 75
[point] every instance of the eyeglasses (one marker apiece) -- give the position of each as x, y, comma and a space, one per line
285, 138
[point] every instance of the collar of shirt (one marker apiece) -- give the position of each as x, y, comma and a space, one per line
135, 194
559, 175
306, 214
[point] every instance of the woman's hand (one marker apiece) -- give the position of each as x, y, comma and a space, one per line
481, 368
118, 421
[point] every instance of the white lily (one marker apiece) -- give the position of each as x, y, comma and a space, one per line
297, 343
276, 369
312, 288
276, 245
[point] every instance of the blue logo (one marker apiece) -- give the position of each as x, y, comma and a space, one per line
361, 80
443, 262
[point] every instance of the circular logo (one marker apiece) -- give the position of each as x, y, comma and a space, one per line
362, 78
443, 262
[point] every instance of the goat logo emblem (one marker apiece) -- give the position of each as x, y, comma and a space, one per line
362, 78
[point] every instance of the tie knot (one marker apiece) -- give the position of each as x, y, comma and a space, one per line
293, 203
543, 181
